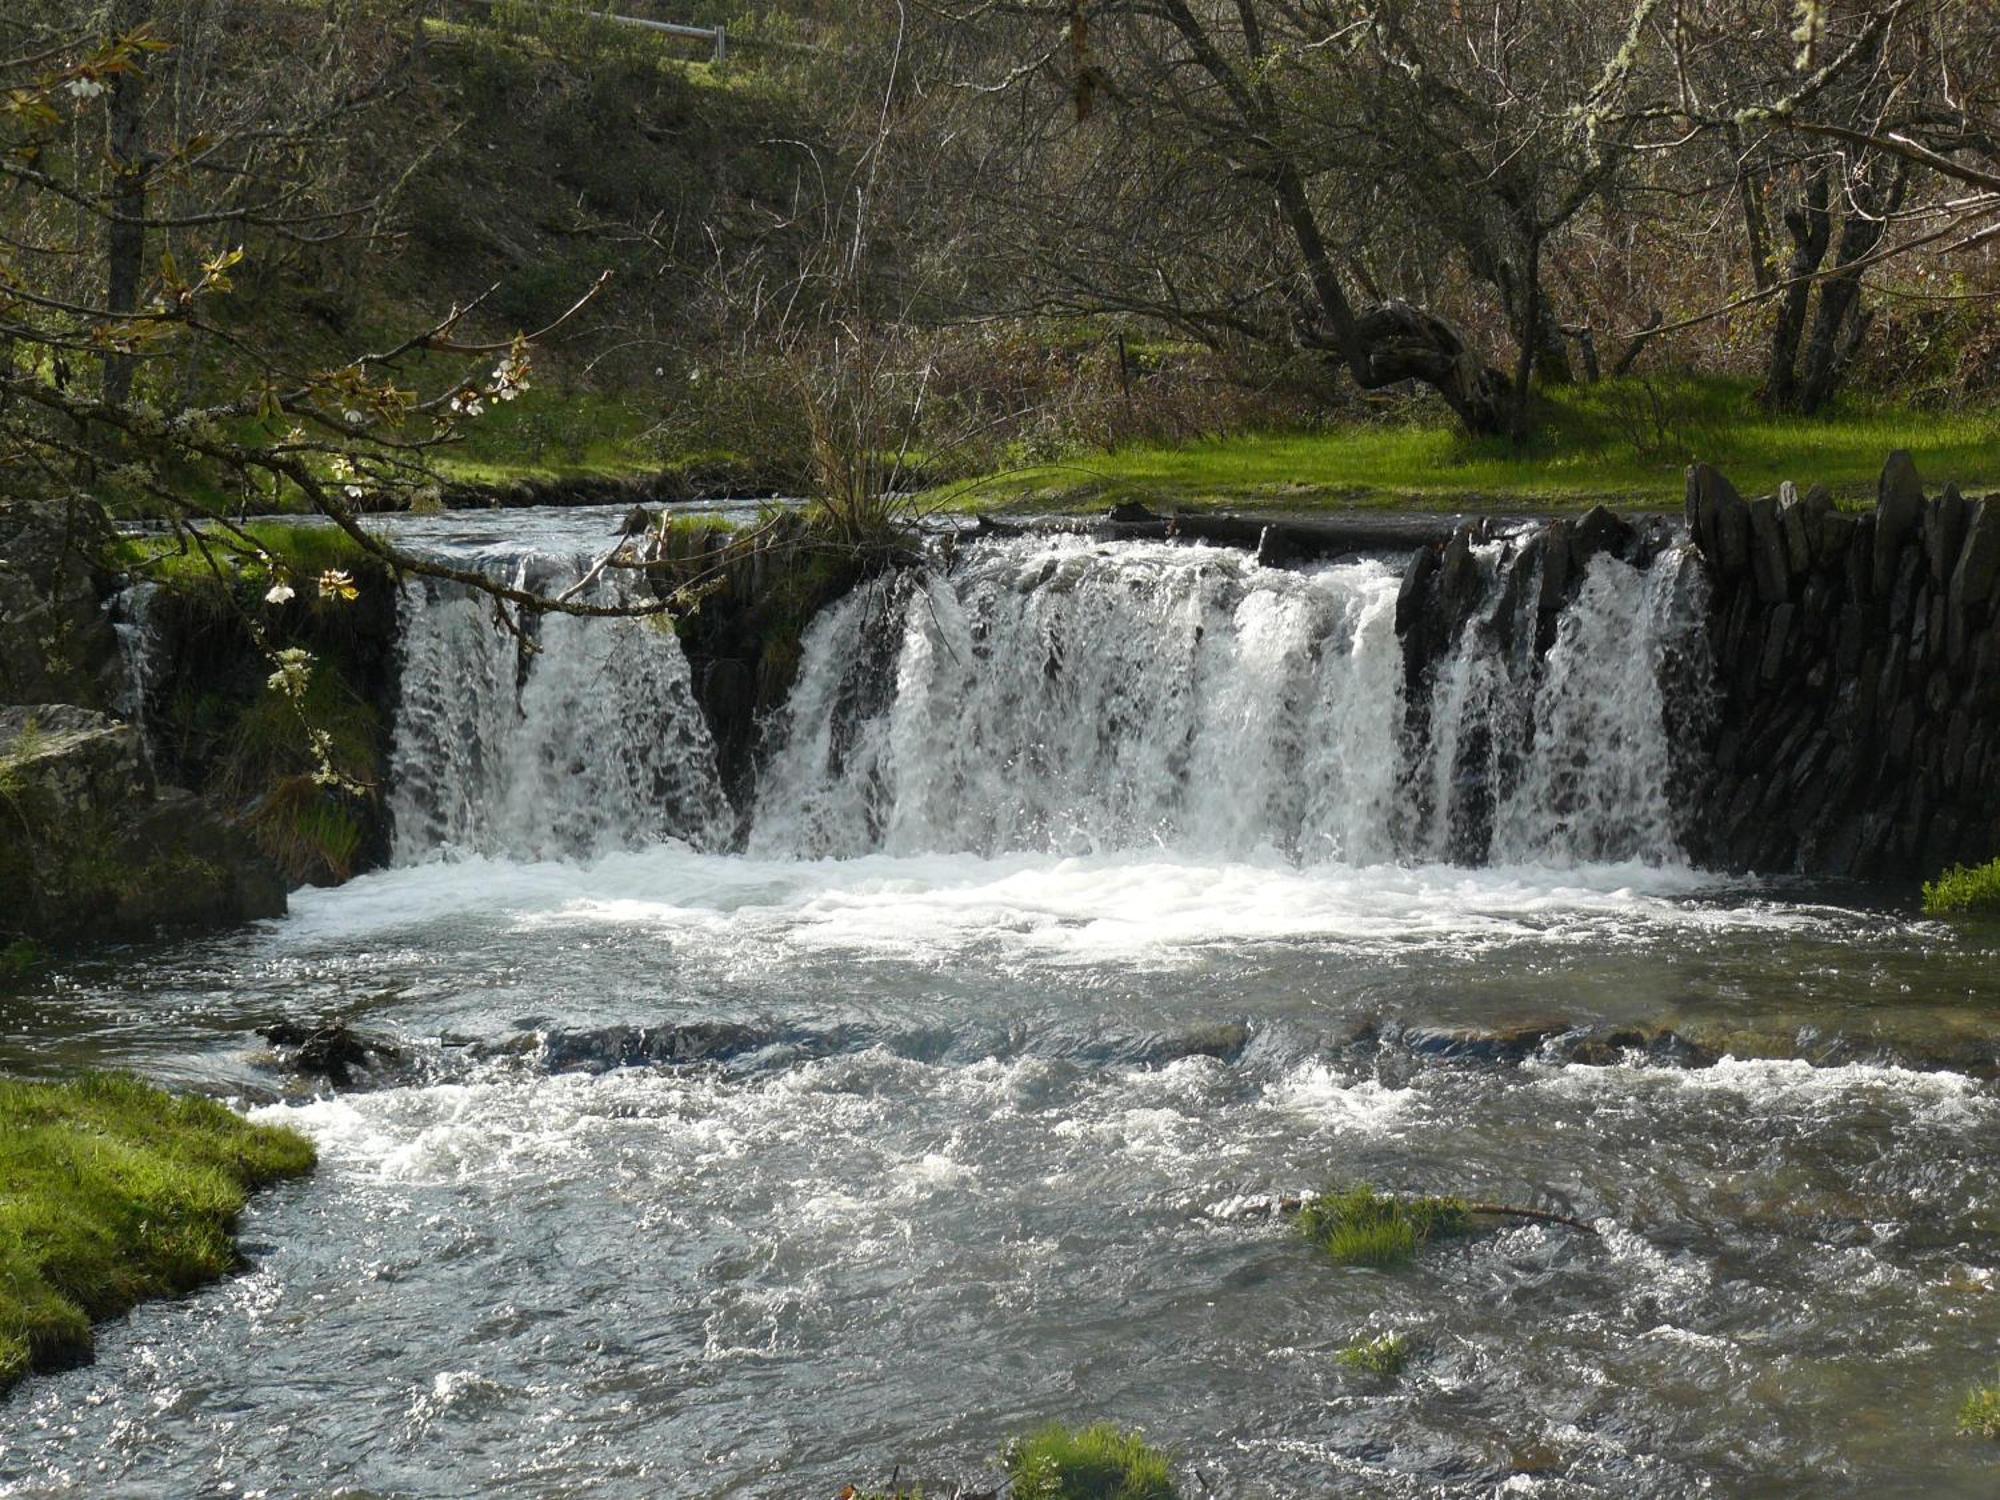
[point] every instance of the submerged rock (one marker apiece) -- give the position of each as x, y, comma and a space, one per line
1505, 1041
1223, 1042
327, 1049
640, 1046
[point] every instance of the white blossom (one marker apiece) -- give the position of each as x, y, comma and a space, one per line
510, 377
84, 88
279, 593
294, 674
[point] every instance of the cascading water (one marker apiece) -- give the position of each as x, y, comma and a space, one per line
581, 738
132, 623
1060, 696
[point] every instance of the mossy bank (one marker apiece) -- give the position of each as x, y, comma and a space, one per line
113, 1192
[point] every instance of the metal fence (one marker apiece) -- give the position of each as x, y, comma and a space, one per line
716, 36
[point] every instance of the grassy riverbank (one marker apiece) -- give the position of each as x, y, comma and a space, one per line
113, 1192
1626, 443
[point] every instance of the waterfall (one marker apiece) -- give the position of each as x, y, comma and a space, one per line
138, 657
1068, 697
581, 738
1064, 696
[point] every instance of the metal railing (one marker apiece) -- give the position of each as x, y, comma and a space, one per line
716, 36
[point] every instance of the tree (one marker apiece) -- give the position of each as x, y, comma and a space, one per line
147, 170
1853, 128
1365, 170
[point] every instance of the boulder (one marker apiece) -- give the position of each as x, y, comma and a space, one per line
56, 644
327, 1049
96, 850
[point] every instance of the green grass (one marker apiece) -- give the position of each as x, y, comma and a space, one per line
1964, 889
1386, 1355
548, 434
112, 1192
1606, 442
1091, 1463
1360, 1227
1980, 1416
302, 550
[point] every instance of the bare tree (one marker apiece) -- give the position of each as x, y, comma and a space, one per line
1360, 171
1853, 131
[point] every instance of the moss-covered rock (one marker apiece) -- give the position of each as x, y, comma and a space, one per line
755, 600
56, 646
1090, 1463
303, 774
94, 848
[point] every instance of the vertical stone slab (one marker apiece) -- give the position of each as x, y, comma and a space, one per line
1899, 515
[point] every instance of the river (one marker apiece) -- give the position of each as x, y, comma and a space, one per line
1092, 892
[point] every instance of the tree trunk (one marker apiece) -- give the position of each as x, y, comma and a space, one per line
1810, 228
125, 230
1392, 341
1756, 226
1533, 327
1840, 321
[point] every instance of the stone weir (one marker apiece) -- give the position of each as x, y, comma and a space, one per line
1844, 718
1858, 678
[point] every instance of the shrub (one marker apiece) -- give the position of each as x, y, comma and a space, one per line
1980, 1416
18, 957
1094, 1463
116, 1192
1359, 1227
1964, 888
1386, 1355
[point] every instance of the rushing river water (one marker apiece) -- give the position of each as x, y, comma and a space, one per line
1091, 891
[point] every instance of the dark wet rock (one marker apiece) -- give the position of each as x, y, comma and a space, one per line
745, 642
1848, 735
1899, 514
642, 1046
96, 850
1769, 560
1458, 582
638, 521
1224, 1042
56, 642
1718, 518
1599, 531
1411, 596
327, 1049
1506, 1041
1978, 569
1131, 513
1944, 534
1795, 524
1607, 1046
